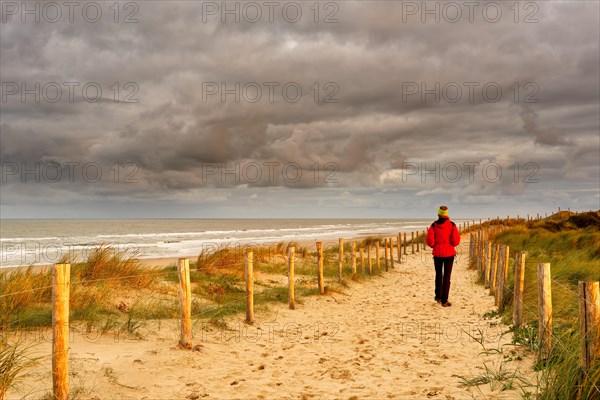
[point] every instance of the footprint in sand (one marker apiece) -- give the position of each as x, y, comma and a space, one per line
342, 374
196, 396
433, 391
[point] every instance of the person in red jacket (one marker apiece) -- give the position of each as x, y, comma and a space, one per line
442, 237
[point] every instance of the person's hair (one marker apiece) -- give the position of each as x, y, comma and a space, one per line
443, 208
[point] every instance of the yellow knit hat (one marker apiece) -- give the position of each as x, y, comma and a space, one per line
443, 211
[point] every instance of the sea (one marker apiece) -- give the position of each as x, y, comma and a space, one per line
41, 242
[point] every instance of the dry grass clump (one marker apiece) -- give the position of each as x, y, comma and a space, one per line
15, 360
26, 294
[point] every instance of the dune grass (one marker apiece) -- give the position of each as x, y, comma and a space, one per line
571, 244
110, 287
26, 294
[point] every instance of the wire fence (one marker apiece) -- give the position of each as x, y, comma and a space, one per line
494, 272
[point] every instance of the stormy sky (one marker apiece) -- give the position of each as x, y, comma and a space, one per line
355, 109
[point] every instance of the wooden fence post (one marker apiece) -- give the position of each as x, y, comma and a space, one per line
353, 258
391, 242
518, 290
479, 249
377, 256
291, 297
494, 273
340, 259
405, 244
483, 254
505, 266
488, 264
387, 253
474, 241
249, 287
320, 268
424, 240
185, 303
480, 258
545, 308
477, 236
370, 260
499, 276
61, 286
589, 322
471, 247
399, 244
476, 250
412, 242
362, 260
417, 244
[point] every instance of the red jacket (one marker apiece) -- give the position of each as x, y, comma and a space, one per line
442, 236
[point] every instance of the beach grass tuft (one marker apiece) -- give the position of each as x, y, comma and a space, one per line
15, 361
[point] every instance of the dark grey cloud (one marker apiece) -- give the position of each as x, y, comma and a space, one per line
178, 144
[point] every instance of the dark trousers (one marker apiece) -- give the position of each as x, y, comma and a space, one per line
443, 270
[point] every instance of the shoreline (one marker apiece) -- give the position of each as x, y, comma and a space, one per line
162, 262
160, 244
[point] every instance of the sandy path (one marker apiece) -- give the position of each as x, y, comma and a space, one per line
385, 338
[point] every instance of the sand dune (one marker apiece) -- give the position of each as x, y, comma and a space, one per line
384, 338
